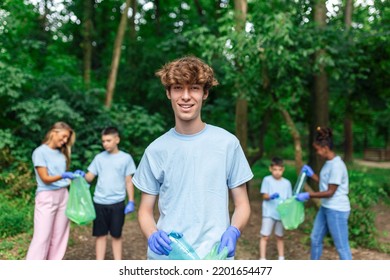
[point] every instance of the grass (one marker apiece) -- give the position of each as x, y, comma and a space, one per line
15, 247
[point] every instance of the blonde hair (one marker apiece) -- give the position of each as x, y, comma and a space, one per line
67, 148
187, 70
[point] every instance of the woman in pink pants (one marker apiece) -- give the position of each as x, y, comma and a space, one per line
51, 226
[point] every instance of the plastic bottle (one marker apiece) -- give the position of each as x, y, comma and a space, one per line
300, 182
181, 250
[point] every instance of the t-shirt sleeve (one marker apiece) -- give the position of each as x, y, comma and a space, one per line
240, 171
130, 166
264, 186
38, 158
335, 175
146, 176
93, 166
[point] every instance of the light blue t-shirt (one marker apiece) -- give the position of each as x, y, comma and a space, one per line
270, 185
111, 170
335, 172
55, 162
192, 175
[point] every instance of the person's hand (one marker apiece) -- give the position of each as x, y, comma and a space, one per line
81, 173
302, 197
274, 196
229, 239
130, 207
159, 243
67, 175
308, 170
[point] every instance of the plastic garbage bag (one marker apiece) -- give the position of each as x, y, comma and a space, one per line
79, 208
292, 213
213, 254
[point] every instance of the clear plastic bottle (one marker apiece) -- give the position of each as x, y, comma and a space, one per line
181, 250
300, 182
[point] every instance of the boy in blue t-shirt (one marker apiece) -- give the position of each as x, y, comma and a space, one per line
114, 169
191, 170
273, 186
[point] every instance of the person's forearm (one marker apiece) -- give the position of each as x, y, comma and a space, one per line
242, 208
89, 177
147, 223
51, 179
315, 178
130, 189
240, 217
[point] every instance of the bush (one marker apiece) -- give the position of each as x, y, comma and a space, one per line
364, 194
14, 219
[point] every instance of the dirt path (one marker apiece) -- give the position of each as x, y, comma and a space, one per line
383, 164
82, 247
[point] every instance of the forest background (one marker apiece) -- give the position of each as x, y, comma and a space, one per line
284, 68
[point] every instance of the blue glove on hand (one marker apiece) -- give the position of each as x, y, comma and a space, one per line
67, 175
130, 207
229, 239
159, 243
308, 170
302, 197
80, 173
274, 196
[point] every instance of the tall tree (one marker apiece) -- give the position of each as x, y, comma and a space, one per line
132, 30
87, 42
320, 94
240, 8
116, 56
348, 121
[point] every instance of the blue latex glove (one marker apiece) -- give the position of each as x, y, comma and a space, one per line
308, 170
274, 196
130, 207
159, 243
229, 239
302, 196
80, 173
67, 175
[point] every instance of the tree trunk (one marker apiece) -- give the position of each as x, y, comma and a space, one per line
87, 43
132, 30
297, 148
116, 56
296, 138
260, 142
348, 121
348, 138
242, 122
240, 8
320, 95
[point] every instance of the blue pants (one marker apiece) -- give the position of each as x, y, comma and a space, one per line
335, 223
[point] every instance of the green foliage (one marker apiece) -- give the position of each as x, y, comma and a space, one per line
14, 218
138, 127
270, 64
365, 192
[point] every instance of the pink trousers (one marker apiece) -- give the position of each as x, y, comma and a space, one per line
51, 226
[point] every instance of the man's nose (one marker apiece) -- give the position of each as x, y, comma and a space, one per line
186, 93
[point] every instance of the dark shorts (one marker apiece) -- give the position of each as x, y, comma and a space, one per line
109, 219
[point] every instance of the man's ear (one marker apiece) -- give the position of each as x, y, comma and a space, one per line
168, 93
205, 94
